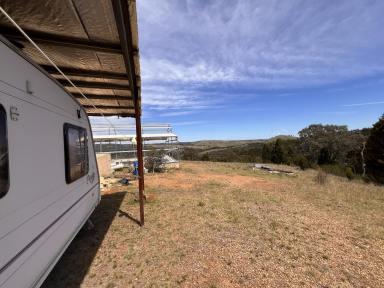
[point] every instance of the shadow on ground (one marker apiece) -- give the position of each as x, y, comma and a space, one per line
75, 262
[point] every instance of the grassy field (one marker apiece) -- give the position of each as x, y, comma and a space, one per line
224, 225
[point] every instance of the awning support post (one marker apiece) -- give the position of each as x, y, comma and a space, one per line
121, 11
140, 159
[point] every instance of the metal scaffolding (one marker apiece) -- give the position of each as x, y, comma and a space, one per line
121, 142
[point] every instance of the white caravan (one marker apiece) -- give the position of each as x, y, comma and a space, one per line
49, 183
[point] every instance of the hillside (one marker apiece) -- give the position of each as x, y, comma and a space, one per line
227, 151
207, 144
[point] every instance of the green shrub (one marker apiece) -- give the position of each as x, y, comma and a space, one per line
205, 157
375, 152
349, 173
334, 169
366, 179
302, 162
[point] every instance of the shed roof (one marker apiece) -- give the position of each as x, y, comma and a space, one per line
94, 42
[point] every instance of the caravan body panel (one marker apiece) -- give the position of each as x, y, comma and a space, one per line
40, 213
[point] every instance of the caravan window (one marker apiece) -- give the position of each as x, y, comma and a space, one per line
4, 168
76, 152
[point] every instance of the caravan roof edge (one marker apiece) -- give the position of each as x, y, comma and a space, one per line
37, 66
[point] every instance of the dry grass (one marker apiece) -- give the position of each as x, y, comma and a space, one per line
321, 177
223, 225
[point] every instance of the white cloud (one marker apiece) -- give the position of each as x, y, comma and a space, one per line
177, 113
337, 113
164, 97
187, 45
189, 123
164, 70
364, 104
179, 97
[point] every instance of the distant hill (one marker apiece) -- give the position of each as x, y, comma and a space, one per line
283, 137
228, 150
204, 144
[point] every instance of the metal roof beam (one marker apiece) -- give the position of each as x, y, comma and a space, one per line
94, 85
108, 107
111, 114
122, 17
102, 97
85, 73
53, 39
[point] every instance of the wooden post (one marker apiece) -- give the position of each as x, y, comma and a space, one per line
139, 147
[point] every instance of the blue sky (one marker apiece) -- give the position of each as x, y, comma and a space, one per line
251, 69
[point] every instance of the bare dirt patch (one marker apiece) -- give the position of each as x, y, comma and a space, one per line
239, 181
184, 179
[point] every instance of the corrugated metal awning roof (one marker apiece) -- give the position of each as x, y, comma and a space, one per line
94, 42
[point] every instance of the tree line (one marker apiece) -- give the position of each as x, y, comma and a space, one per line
333, 148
